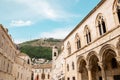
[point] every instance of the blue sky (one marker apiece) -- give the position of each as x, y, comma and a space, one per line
34, 19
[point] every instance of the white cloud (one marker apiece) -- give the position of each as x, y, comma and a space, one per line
46, 9
60, 33
19, 23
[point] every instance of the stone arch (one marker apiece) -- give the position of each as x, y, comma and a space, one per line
79, 60
82, 70
101, 24
87, 34
106, 48
118, 46
93, 59
77, 41
116, 11
90, 54
110, 64
69, 47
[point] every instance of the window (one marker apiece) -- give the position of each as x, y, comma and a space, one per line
114, 63
37, 77
18, 75
117, 6
78, 43
54, 53
87, 35
101, 24
73, 67
21, 76
73, 78
67, 67
28, 61
43, 76
68, 78
69, 48
32, 77
48, 76
8, 67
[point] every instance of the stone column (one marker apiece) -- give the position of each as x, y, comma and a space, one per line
102, 66
79, 75
89, 67
118, 60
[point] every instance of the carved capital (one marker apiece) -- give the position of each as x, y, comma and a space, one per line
118, 44
89, 67
80, 71
118, 60
102, 66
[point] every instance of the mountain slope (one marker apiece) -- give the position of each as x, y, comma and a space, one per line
40, 48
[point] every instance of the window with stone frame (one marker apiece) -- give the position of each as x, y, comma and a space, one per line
118, 10
48, 76
68, 78
101, 25
73, 66
43, 76
28, 61
67, 67
8, 66
55, 54
87, 35
18, 75
114, 63
73, 78
78, 42
69, 48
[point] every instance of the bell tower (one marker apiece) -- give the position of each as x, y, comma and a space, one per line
54, 52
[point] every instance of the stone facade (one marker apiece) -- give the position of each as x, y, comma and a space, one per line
22, 67
58, 65
13, 64
42, 71
8, 52
92, 50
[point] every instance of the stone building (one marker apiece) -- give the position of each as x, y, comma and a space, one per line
13, 64
22, 67
8, 51
92, 50
41, 71
58, 65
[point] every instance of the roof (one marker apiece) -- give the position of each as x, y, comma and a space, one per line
42, 66
22, 54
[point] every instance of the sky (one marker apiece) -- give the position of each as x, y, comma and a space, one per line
34, 19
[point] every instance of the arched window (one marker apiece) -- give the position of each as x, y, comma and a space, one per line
68, 78
87, 35
48, 76
118, 10
37, 77
73, 66
73, 78
67, 67
114, 63
78, 43
69, 48
42, 76
100, 23
55, 53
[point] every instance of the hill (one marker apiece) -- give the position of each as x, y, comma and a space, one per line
40, 48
